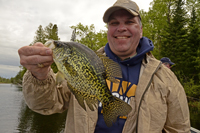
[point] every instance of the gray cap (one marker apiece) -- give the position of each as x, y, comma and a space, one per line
128, 5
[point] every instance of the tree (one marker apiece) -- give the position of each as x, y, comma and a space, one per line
73, 37
54, 33
40, 36
89, 37
19, 77
51, 32
194, 46
4, 80
175, 41
154, 22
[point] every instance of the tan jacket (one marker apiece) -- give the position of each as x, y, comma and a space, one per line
160, 103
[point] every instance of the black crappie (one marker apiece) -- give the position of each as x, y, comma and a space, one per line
86, 73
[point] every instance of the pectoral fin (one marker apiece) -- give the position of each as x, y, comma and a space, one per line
59, 77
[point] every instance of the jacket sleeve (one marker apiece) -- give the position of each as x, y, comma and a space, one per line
178, 120
45, 97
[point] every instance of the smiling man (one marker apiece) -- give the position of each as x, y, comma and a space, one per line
124, 33
157, 98
145, 83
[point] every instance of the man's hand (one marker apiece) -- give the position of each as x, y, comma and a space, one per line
37, 59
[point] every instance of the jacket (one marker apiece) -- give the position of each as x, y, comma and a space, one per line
160, 102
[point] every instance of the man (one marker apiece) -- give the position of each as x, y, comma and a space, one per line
167, 62
157, 98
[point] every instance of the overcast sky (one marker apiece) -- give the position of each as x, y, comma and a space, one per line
19, 20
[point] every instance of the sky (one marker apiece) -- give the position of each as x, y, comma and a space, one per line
20, 19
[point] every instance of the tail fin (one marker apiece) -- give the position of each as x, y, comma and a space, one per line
114, 109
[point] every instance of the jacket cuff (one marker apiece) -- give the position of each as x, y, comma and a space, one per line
29, 77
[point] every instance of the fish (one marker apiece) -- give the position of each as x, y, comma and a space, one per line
86, 72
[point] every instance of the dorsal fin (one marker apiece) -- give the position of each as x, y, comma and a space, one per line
112, 68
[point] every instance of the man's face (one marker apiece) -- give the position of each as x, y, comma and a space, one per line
124, 33
167, 65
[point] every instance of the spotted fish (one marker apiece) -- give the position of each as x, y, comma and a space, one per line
86, 72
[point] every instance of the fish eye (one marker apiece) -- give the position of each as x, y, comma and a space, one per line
58, 44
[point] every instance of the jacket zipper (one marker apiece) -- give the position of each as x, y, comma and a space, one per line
144, 94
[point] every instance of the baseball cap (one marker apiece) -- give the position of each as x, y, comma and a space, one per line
128, 5
166, 59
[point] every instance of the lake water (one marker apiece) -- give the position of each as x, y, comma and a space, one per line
16, 117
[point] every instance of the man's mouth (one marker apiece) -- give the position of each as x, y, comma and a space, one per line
122, 37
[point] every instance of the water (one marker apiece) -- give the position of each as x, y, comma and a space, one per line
16, 117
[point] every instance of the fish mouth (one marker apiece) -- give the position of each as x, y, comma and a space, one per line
50, 44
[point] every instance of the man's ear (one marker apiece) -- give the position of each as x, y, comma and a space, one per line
141, 32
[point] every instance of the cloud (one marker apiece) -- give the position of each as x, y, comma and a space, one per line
7, 71
21, 19
9, 56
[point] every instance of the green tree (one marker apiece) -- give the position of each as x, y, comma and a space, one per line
19, 77
154, 22
194, 45
194, 8
40, 36
51, 32
54, 33
48, 31
175, 41
89, 37
4, 80
73, 37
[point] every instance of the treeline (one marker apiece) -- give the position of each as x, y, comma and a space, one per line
4, 80
172, 25
18, 78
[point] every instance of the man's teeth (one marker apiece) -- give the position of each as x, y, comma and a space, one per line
123, 37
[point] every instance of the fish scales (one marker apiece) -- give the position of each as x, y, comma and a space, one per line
86, 73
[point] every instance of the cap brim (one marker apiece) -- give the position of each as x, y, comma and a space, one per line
171, 63
112, 9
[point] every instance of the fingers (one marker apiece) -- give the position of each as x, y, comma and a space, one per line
35, 59
31, 56
36, 49
39, 72
41, 49
35, 67
39, 44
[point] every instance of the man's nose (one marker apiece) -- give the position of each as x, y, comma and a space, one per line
121, 28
